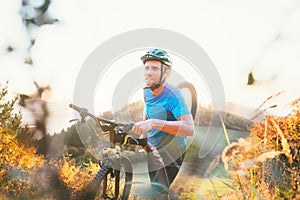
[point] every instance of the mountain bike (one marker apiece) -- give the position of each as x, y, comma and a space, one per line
114, 178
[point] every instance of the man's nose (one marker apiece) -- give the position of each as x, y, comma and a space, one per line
149, 72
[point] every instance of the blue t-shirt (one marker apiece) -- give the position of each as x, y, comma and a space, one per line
168, 105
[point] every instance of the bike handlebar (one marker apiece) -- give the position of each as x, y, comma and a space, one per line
126, 127
84, 112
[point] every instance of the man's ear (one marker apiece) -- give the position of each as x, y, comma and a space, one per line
168, 71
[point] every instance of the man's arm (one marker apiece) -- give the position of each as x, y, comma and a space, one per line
184, 126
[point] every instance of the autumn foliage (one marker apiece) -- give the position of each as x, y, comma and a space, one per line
267, 164
19, 164
26, 175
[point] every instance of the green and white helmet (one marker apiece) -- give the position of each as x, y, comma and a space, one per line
159, 55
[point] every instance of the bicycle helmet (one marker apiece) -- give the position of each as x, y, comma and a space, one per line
157, 54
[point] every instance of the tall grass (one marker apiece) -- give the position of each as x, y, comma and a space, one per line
266, 164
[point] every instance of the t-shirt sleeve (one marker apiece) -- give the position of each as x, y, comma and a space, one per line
178, 106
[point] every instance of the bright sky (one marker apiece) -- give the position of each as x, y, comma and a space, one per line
236, 35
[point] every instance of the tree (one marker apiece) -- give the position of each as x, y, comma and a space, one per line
9, 119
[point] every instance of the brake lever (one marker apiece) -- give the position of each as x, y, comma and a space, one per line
73, 120
131, 137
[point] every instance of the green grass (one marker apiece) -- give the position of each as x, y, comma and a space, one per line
201, 188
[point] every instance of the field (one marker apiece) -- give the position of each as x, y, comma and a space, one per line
261, 162
193, 180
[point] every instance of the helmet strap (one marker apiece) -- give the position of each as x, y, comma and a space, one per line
161, 80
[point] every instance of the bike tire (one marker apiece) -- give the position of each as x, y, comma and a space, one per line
90, 191
114, 184
193, 93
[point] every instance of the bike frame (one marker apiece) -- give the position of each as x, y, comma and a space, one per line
112, 161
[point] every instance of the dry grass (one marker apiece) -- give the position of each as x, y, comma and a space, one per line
266, 165
194, 188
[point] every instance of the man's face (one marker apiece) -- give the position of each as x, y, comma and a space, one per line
152, 71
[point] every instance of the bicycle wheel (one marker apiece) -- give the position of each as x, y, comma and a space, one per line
116, 183
193, 93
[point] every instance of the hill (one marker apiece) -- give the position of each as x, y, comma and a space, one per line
205, 116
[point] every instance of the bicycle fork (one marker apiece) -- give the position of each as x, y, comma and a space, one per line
107, 168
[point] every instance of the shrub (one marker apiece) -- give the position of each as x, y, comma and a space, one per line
8, 119
26, 175
18, 163
266, 165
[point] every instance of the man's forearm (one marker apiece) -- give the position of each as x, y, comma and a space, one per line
181, 127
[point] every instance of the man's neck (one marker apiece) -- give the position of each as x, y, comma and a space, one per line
158, 90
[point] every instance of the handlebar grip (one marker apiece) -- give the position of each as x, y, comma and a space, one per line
74, 107
82, 111
78, 109
130, 125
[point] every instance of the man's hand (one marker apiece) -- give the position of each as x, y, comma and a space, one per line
142, 128
184, 126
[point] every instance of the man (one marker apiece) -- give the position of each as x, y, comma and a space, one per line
167, 122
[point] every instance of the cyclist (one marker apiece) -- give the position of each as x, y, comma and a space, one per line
167, 122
